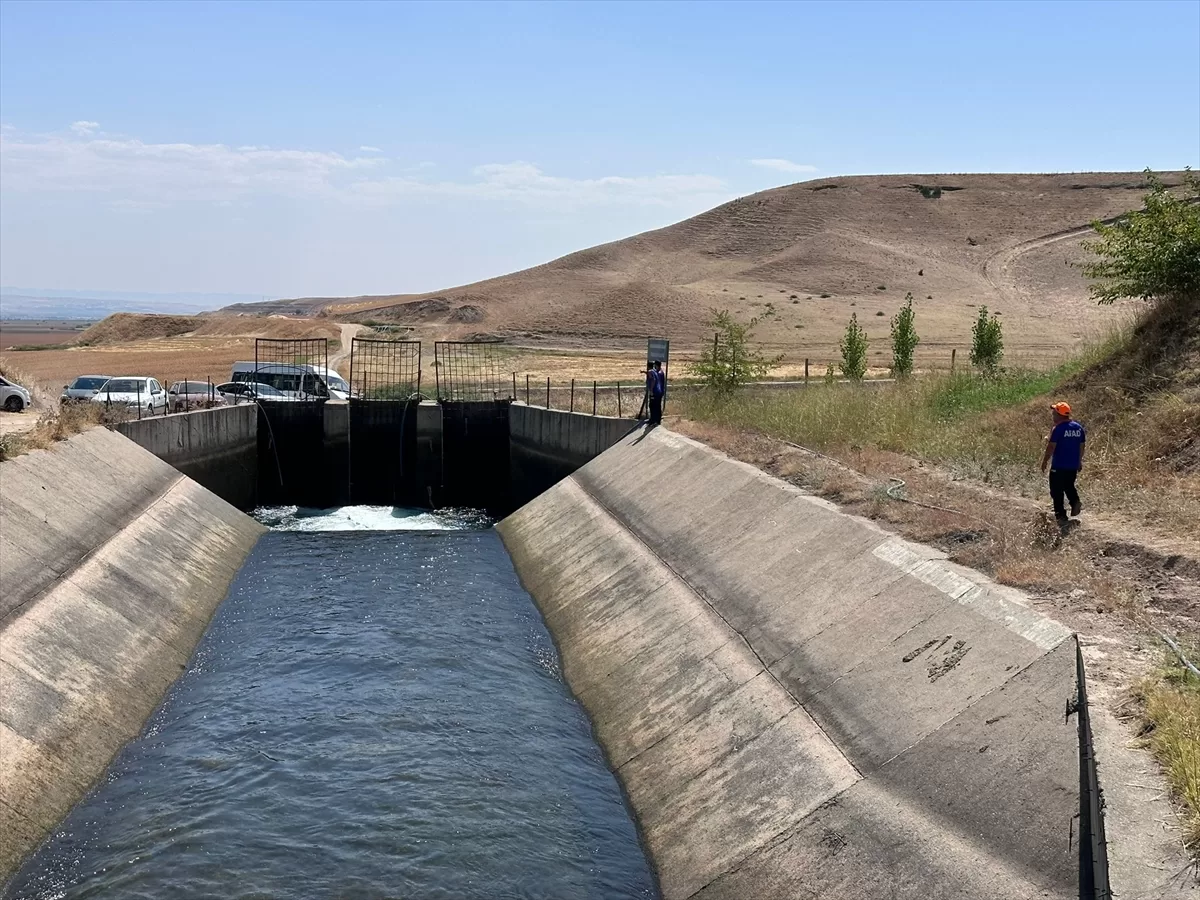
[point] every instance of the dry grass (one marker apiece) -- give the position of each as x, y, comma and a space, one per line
59, 424
1143, 452
124, 328
1169, 702
1011, 540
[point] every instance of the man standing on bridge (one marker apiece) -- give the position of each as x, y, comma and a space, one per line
1064, 456
656, 387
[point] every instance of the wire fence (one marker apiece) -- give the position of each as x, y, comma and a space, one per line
469, 371
384, 369
623, 399
297, 368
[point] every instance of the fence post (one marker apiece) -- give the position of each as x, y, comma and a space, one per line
547, 392
514, 393
572, 408
593, 398
526, 389
953, 351
618, 399
806, 371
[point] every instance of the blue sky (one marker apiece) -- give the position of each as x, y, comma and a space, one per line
333, 149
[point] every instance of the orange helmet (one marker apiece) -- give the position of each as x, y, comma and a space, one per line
1061, 407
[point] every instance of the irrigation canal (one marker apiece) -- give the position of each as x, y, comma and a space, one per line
375, 711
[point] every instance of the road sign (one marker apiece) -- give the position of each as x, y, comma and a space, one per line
658, 348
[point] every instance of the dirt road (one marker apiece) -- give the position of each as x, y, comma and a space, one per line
349, 332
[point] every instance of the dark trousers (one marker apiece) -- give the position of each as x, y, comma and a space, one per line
655, 410
1062, 483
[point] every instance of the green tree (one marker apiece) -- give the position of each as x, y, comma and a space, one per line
1152, 253
729, 360
904, 339
854, 350
987, 342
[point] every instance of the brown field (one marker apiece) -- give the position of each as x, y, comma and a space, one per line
39, 332
169, 348
818, 251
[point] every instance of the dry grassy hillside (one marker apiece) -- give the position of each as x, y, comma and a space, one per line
121, 328
818, 250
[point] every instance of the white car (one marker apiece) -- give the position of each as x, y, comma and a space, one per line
136, 391
300, 381
13, 397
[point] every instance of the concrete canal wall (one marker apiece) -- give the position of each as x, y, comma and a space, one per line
798, 703
547, 445
217, 448
111, 564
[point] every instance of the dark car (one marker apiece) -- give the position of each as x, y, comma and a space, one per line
249, 392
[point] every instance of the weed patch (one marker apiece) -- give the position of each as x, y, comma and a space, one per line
1169, 702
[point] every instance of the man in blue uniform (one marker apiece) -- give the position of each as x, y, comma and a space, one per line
656, 387
1064, 456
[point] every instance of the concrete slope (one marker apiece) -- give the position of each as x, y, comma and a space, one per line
111, 564
798, 703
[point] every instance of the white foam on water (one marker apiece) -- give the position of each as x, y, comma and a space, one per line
370, 518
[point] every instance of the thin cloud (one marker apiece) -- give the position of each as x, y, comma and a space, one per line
525, 182
368, 149
138, 171
782, 165
139, 175
84, 127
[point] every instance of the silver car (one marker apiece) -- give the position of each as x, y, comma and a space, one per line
13, 397
187, 395
143, 394
83, 387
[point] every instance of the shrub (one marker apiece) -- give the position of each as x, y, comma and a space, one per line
1152, 253
904, 339
729, 361
987, 343
854, 350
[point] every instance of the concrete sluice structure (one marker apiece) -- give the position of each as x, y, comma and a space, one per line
797, 703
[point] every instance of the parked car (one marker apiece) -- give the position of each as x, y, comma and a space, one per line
13, 397
185, 395
299, 381
136, 391
339, 387
250, 391
83, 387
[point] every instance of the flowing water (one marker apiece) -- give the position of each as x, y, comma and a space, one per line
375, 711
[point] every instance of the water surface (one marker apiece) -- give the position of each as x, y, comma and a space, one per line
371, 714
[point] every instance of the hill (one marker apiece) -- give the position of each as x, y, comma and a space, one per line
819, 250
122, 328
